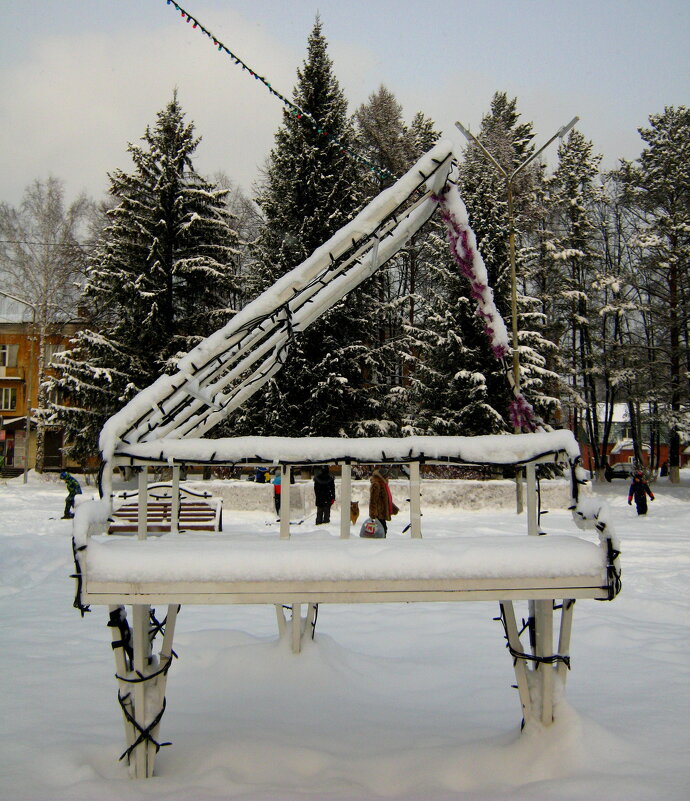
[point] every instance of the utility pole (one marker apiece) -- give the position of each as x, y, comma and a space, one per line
509, 180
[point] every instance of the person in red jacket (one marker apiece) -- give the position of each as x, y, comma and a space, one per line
639, 489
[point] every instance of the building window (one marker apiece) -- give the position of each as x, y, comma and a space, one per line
55, 396
8, 355
8, 398
51, 348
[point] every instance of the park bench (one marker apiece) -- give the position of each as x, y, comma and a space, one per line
194, 511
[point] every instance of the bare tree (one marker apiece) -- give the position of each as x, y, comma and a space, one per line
41, 262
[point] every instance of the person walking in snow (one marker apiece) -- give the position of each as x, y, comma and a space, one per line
260, 475
73, 489
381, 506
276, 481
639, 489
324, 494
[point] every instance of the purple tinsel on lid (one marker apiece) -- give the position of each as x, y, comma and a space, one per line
464, 255
522, 413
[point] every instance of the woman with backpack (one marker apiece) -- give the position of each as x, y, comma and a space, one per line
381, 506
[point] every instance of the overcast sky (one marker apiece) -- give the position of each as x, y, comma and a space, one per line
82, 78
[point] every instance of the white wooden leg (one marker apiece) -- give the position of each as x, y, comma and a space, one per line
175, 500
345, 498
284, 502
519, 500
544, 631
121, 639
309, 620
143, 767
532, 504
415, 501
519, 664
296, 630
164, 657
142, 522
282, 624
564, 636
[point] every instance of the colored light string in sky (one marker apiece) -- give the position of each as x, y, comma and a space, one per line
295, 110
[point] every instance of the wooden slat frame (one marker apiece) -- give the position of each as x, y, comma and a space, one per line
355, 591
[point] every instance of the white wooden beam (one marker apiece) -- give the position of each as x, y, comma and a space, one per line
345, 499
518, 664
164, 656
415, 500
564, 635
544, 633
284, 502
175, 500
143, 760
280, 616
121, 670
296, 628
142, 516
310, 620
532, 505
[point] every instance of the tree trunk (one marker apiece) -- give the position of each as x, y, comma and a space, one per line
674, 342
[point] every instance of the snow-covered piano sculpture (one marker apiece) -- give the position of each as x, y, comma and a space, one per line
163, 426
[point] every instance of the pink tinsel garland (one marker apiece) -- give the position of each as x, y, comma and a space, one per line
520, 410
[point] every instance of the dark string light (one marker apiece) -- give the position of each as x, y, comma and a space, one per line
294, 109
47, 244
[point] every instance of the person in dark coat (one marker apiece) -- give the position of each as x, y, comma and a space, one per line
73, 489
639, 489
381, 506
324, 494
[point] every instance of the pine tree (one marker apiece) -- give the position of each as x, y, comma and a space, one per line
310, 192
386, 141
575, 253
449, 393
158, 282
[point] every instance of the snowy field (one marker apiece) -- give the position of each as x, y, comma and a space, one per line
401, 702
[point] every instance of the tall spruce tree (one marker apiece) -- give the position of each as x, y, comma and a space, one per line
386, 141
158, 282
575, 255
311, 189
449, 393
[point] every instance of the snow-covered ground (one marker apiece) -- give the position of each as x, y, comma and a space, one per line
405, 702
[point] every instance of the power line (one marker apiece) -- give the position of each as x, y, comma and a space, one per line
26, 242
295, 110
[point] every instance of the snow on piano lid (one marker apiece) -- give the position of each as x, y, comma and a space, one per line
213, 557
498, 449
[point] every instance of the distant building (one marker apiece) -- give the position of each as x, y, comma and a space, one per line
620, 445
19, 371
